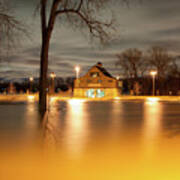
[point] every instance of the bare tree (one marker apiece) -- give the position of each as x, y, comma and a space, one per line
10, 27
131, 63
160, 59
174, 69
80, 13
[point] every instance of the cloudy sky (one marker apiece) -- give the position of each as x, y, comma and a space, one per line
141, 25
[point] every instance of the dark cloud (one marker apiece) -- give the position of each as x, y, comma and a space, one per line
141, 25
172, 31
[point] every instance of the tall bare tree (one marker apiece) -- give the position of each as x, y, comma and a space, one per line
131, 63
174, 69
160, 59
81, 13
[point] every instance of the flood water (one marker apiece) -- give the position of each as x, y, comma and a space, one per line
80, 139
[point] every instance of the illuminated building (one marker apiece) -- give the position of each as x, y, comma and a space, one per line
97, 83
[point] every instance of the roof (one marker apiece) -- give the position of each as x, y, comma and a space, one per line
103, 70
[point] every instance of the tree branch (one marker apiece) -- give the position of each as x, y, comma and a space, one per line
96, 28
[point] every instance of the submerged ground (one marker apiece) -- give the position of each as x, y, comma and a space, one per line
116, 139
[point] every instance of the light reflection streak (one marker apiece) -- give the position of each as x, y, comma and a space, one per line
116, 117
53, 115
76, 126
52, 100
117, 98
152, 125
31, 117
51, 124
152, 100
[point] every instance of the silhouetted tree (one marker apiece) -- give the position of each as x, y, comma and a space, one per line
131, 63
160, 60
174, 70
10, 27
80, 13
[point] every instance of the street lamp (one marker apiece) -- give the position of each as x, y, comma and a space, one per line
153, 74
52, 75
77, 69
118, 77
31, 79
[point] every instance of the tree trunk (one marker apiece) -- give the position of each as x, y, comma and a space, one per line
43, 76
46, 36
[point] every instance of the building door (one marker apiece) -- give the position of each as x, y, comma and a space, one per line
95, 93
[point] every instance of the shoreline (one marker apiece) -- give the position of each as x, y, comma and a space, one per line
34, 97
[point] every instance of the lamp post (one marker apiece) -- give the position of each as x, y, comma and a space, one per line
52, 86
153, 74
31, 79
77, 69
118, 77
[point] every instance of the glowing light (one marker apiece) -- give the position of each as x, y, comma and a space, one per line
31, 79
153, 73
90, 93
117, 98
117, 77
77, 69
75, 101
52, 75
95, 93
52, 99
31, 98
100, 93
152, 99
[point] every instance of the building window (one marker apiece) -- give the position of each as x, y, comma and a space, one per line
100, 93
88, 81
120, 84
95, 93
90, 93
94, 74
110, 81
99, 81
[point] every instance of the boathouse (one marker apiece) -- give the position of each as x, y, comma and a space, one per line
97, 83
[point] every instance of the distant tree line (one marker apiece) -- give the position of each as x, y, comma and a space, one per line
136, 65
61, 85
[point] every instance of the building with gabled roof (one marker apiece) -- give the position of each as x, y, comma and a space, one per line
97, 83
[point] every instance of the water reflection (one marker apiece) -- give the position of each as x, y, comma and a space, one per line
31, 115
106, 139
117, 117
152, 125
76, 130
31, 98
51, 124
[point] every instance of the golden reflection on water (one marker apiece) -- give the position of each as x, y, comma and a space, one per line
51, 125
110, 158
31, 117
30, 114
152, 125
116, 117
31, 98
76, 130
